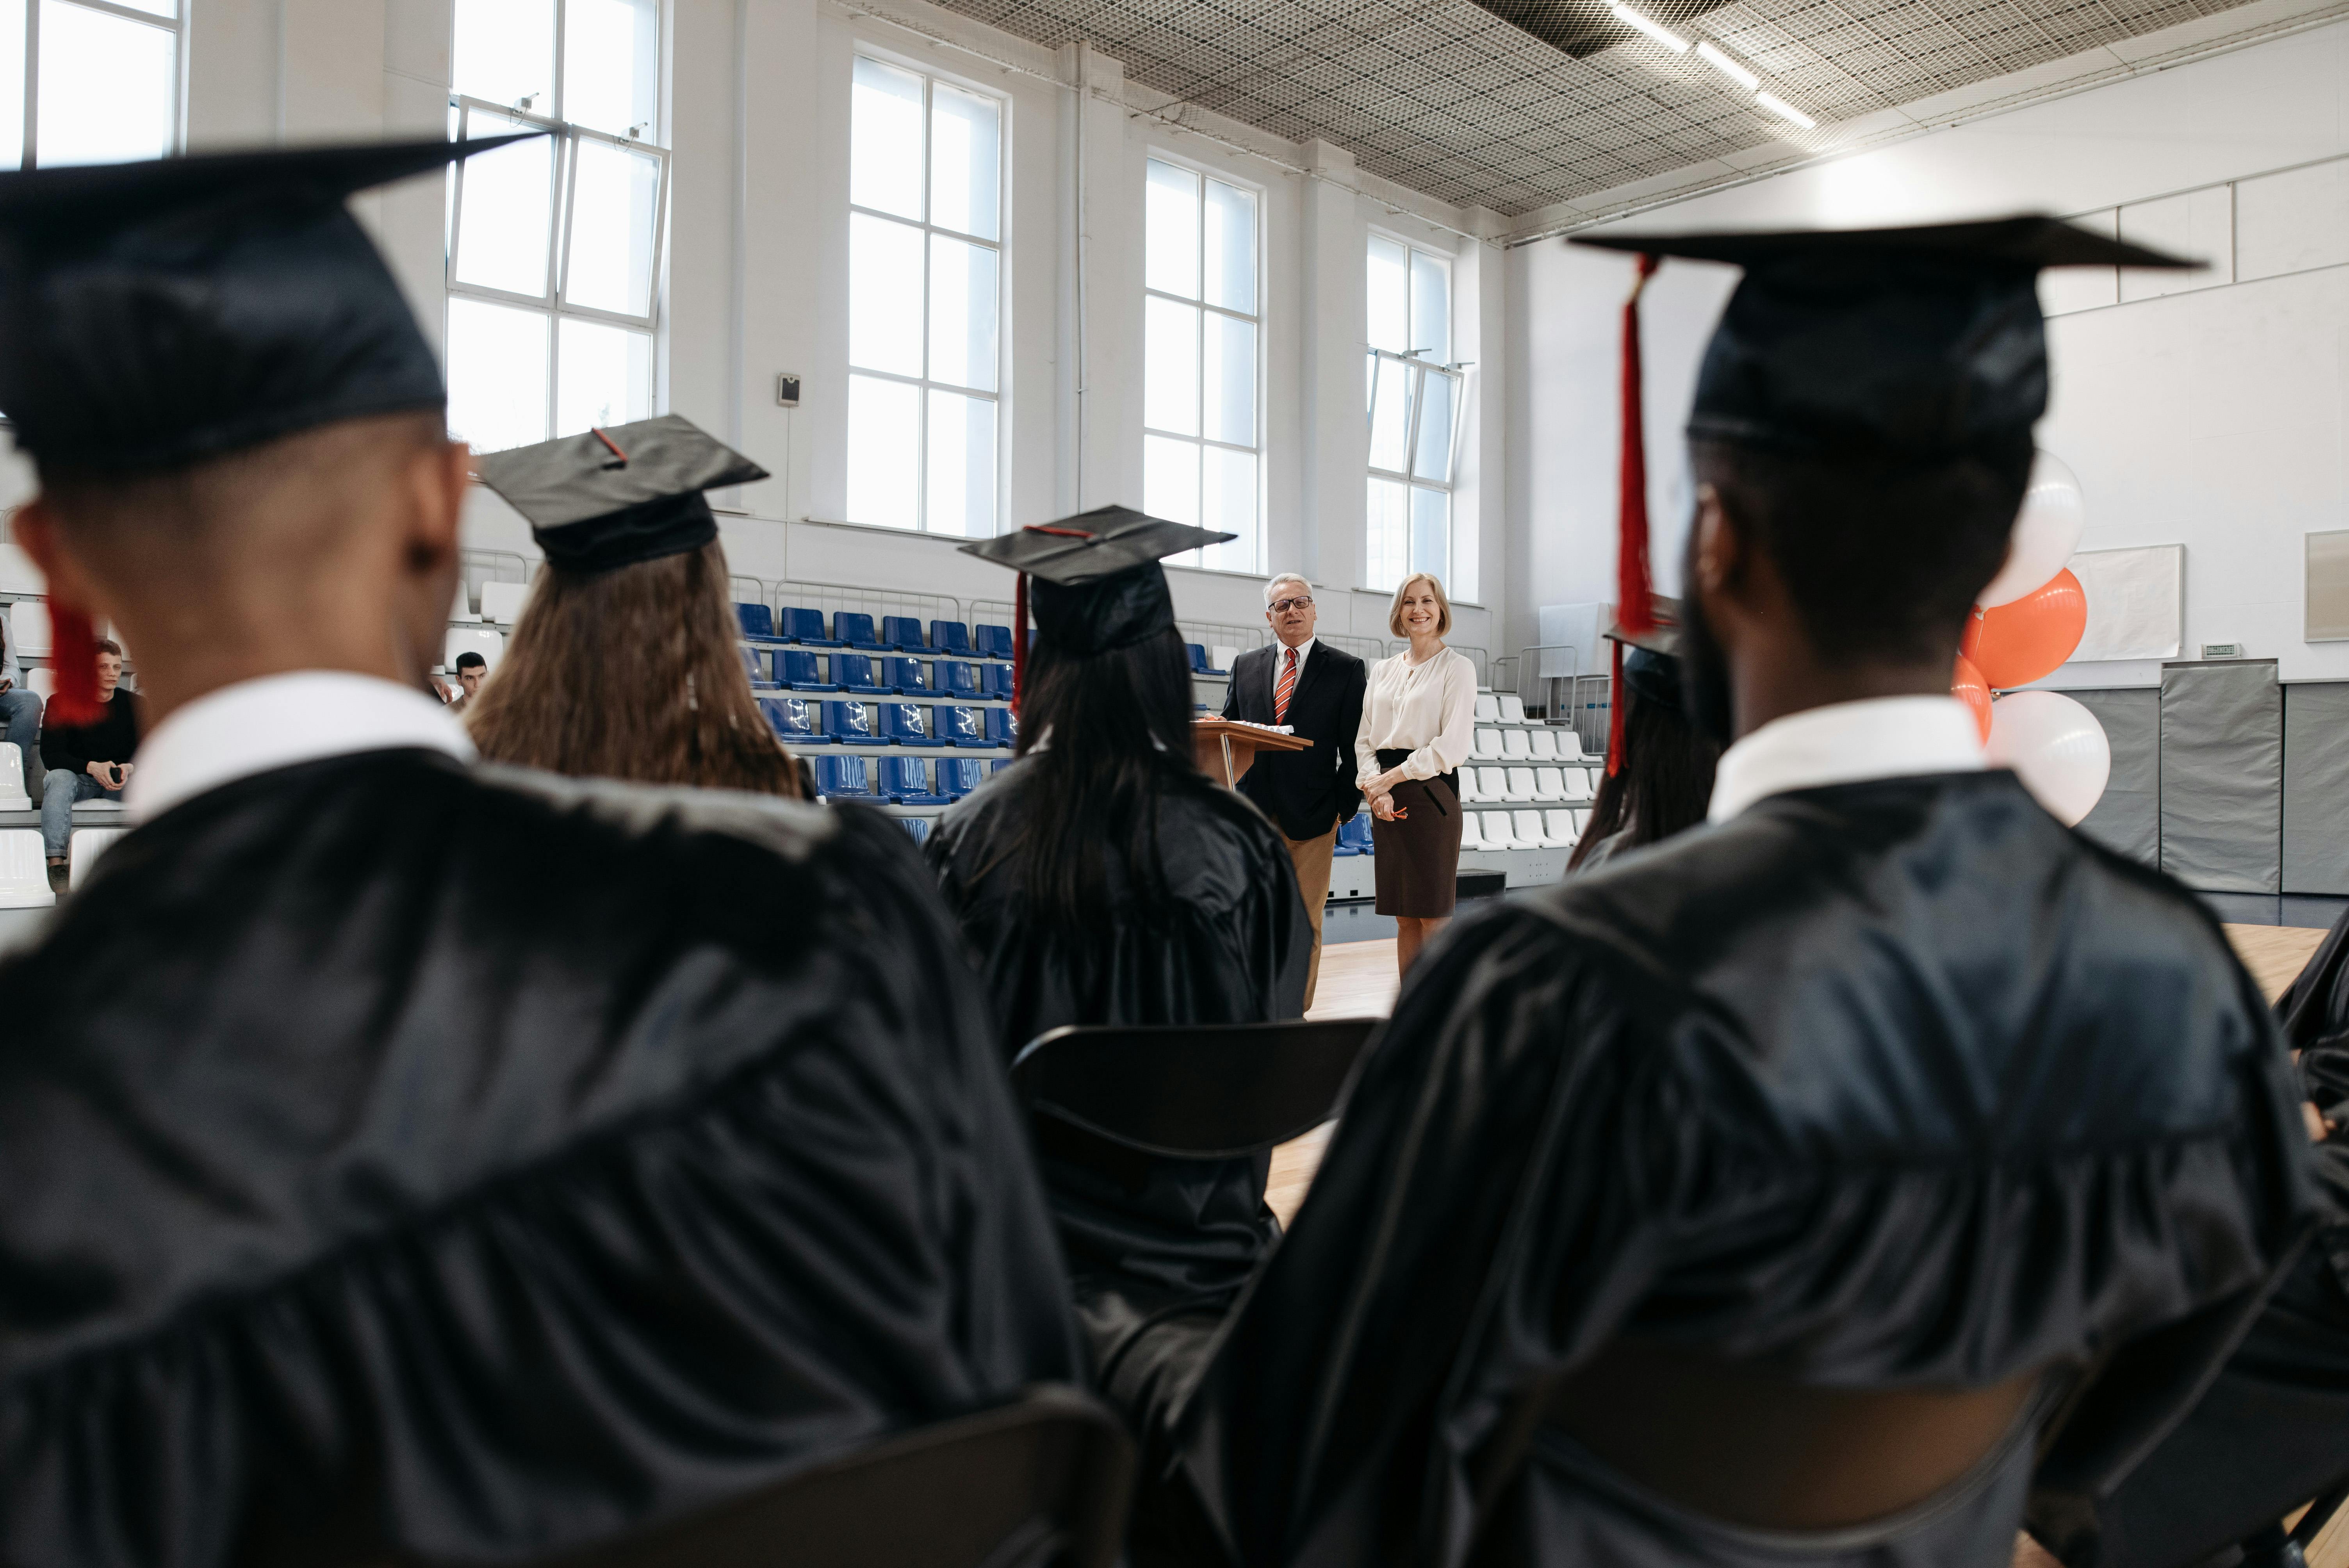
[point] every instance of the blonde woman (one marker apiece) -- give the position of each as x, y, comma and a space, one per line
1419, 724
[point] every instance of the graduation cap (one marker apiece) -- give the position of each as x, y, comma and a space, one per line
154, 315
1913, 345
1099, 585
613, 496
1647, 662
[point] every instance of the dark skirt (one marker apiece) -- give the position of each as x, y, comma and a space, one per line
1418, 857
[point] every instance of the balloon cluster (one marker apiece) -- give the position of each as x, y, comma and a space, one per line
2026, 623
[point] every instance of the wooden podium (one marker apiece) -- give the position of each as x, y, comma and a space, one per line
1228, 746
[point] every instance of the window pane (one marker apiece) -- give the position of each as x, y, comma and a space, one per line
109, 87
884, 434
1433, 460
965, 140
1230, 351
884, 140
505, 208
611, 59
1430, 531
1170, 480
1228, 503
1231, 247
1386, 540
614, 212
603, 375
497, 374
884, 295
505, 52
156, 8
1170, 367
1390, 314
961, 465
12, 84
963, 299
1170, 231
1391, 415
1431, 308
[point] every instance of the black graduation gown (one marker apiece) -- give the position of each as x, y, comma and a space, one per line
402, 1157
1891, 1083
1230, 948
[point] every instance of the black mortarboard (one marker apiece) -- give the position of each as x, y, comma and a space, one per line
1648, 662
153, 315
611, 497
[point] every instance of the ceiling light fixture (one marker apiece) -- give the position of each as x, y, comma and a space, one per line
1785, 111
1654, 29
1714, 57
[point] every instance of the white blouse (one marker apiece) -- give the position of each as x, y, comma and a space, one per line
1429, 710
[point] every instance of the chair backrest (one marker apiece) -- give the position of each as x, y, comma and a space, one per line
904, 776
1515, 744
1491, 783
1198, 653
961, 775
1500, 833
1576, 782
1528, 825
1356, 830
754, 663
1193, 1091
756, 620
1570, 746
797, 665
83, 849
1468, 789
1549, 784
853, 627
1513, 708
1544, 744
788, 716
1489, 743
855, 670
902, 632
849, 718
995, 642
837, 775
1581, 821
23, 870
1040, 1483
1472, 831
956, 722
919, 827
956, 679
799, 623
1222, 657
28, 628
461, 608
504, 602
996, 680
1488, 707
950, 637
1001, 763
905, 675
1001, 727
1560, 824
902, 719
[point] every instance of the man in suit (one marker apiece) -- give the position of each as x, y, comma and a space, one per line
1316, 690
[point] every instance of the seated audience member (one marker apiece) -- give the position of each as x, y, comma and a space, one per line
1755, 1201
471, 669
1662, 783
625, 661
409, 1160
89, 761
1103, 879
20, 708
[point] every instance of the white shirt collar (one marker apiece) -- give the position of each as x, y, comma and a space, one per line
1842, 743
275, 721
1303, 650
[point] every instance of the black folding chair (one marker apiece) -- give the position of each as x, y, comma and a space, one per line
1040, 1484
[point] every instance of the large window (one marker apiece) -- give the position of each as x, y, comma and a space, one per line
1414, 401
554, 243
925, 297
1201, 448
88, 81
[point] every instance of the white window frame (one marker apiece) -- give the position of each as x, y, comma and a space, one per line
1197, 558
1416, 372
923, 384
176, 24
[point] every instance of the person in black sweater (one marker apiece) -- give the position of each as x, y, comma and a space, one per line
89, 761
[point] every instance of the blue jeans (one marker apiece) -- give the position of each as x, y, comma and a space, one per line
58, 793
20, 723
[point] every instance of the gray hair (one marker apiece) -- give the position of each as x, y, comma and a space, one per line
1285, 577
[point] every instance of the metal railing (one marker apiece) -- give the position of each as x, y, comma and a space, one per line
1370, 650
832, 597
1552, 694
1213, 634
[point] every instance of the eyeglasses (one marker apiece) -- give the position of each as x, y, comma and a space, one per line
1301, 603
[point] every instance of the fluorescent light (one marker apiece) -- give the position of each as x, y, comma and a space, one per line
1725, 66
1656, 30
1785, 111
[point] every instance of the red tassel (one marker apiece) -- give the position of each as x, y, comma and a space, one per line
1615, 716
1018, 641
1634, 611
73, 653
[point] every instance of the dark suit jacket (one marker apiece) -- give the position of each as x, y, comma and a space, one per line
1306, 793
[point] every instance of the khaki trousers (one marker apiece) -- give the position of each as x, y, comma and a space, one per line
1312, 859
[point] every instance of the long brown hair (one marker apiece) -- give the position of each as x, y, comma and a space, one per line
633, 674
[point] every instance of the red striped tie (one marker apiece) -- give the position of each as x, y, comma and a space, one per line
1287, 683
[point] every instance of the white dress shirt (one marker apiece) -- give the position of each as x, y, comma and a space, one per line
275, 721
1844, 743
1428, 710
1280, 657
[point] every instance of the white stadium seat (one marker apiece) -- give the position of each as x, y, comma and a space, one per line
1499, 833
1544, 744
1489, 743
1472, 831
1581, 823
1516, 747
1549, 784
42, 683
84, 847
1576, 782
502, 602
1492, 784
1570, 746
17, 572
462, 607
1513, 708
1528, 825
1560, 828
28, 628
1487, 709
1222, 658
490, 646
1521, 785
1468, 790
12, 778
24, 870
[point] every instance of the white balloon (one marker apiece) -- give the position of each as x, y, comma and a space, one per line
2055, 747
2047, 532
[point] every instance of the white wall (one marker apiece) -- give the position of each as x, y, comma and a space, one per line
2211, 417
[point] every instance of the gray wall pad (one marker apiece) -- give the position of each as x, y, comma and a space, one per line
2128, 821
2222, 775
2316, 786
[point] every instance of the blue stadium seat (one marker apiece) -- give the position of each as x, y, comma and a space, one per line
903, 632
1198, 651
799, 721
799, 671
959, 775
804, 627
758, 621
850, 722
1001, 763
1001, 727
838, 775
856, 631
854, 672
956, 679
917, 826
901, 724
960, 725
1354, 837
754, 663
904, 676
906, 781
950, 637
994, 642
994, 680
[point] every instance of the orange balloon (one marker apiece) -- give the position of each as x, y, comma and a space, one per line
1968, 687
2027, 638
